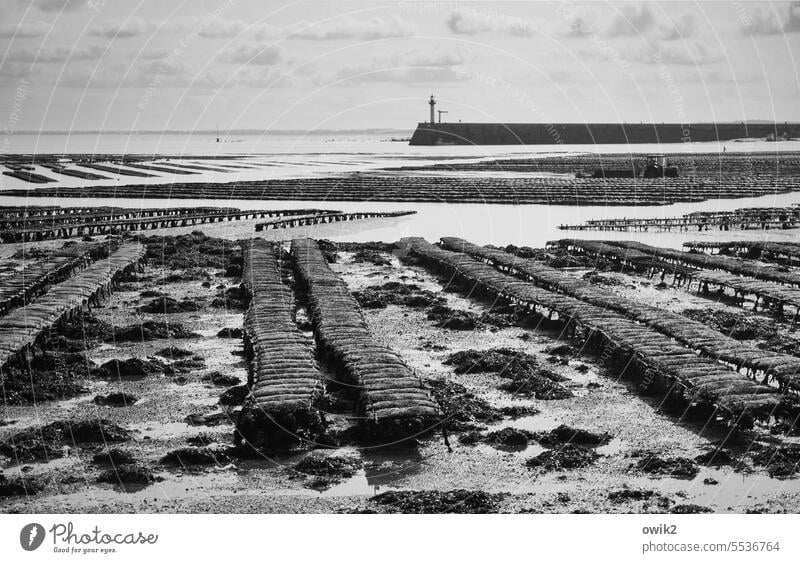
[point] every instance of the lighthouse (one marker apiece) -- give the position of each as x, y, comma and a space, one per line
432, 103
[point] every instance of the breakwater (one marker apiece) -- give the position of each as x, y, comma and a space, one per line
594, 133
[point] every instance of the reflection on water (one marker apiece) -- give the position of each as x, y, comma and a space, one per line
357, 485
722, 488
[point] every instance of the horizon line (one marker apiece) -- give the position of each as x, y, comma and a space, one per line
384, 130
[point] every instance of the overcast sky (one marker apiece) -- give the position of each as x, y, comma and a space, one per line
256, 64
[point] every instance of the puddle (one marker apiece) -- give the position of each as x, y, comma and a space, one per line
731, 490
174, 487
382, 470
357, 485
535, 423
737, 489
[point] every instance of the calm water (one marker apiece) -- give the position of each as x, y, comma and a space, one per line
531, 225
277, 156
369, 143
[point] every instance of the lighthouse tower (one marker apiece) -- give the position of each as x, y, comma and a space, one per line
432, 103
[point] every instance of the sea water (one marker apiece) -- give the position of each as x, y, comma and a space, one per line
302, 155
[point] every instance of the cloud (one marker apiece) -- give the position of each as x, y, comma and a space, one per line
633, 19
680, 28
58, 54
25, 29
172, 72
354, 28
472, 21
235, 28
152, 74
224, 28
15, 70
413, 66
768, 21
56, 5
212, 28
262, 77
122, 29
253, 54
346, 28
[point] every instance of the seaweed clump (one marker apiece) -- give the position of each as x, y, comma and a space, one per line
690, 509
458, 501
396, 293
86, 327
509, 438
526, 376
18, 486
371, 256
569, 456
49, 441
129, 474
327, 468
169, 306
455, 319
738, 325
624, 495
781, 461
48, 376
462, 409
116, 399
445, 317
564, 434
132, 368
195, 250
677, 467
192, 455
150, 330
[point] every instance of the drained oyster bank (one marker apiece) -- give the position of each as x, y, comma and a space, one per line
197, 374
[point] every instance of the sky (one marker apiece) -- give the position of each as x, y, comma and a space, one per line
138, 65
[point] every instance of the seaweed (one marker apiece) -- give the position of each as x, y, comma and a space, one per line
132, 368
568, 456
677, 467
169, 306
129, 474
564, 434
192, 455
116, 399
49, 441
461, 408
459, 501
